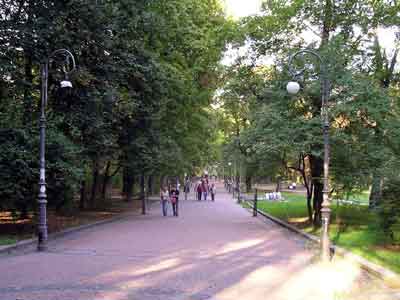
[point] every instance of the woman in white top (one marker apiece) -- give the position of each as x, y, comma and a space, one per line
164, 195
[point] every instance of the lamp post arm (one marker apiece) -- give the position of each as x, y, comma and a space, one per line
68, 56
295, 73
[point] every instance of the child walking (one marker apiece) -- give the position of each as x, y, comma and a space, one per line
213, 191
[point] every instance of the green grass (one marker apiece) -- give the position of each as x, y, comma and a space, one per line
352, 227
7, 240
362, 197
294, 207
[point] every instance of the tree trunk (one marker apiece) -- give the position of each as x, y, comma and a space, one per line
375, 196
128, 184
150, 184
95, 182
317, 168
142, 193
129, 187
278, 185
106, 181
317, 203
28, 101
309, 206
248, 183
125, 175
82, 199
162, 181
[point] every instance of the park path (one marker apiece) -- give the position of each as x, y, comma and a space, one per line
213, 250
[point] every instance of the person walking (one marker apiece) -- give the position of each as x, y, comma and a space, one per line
174, 197
213, 190
186, 187
199, 190
164, 200
204, 189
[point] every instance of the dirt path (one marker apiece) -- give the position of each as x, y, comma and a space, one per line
213, 250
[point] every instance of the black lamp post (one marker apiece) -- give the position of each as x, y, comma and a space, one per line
230, 176
293, 88
67, 66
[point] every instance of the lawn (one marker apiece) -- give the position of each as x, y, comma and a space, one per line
7, 240
352, 227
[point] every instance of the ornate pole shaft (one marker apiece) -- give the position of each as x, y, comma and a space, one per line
42, 198
325, 207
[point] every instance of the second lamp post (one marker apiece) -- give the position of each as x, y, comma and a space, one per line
66, 65
292, 88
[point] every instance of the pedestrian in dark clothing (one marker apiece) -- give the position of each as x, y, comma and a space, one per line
213, 190
199, 191
186, 188
174, 198
204, 188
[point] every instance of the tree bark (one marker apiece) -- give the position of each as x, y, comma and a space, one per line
129, 187
106, 180
28, 103
142, 193
82, 199
375, 197
95, 182
128, 184
124, 181
309, 208
248, 183
278, 185
150, 184
317, 168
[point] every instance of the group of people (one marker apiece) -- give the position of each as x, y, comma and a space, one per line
203, 189
169, 196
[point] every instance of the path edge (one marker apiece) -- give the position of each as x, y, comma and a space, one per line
20, 245
389, 277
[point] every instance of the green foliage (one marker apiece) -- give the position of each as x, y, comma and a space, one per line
283, 134
146, 73
389, 210
17, 175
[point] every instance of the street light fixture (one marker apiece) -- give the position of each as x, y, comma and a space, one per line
230, 176
293, 88
67, 66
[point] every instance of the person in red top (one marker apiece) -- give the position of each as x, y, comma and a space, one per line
199, 191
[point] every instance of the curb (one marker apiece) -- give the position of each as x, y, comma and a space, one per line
389, 277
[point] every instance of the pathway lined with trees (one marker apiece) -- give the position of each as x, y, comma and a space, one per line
213, 250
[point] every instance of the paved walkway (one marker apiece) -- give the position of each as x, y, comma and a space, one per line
213, 250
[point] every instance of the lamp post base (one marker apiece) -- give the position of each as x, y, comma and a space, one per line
325, 242
42, 247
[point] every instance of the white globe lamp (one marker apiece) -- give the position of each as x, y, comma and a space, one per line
293, 87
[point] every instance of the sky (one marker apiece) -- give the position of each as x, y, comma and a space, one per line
243, 8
